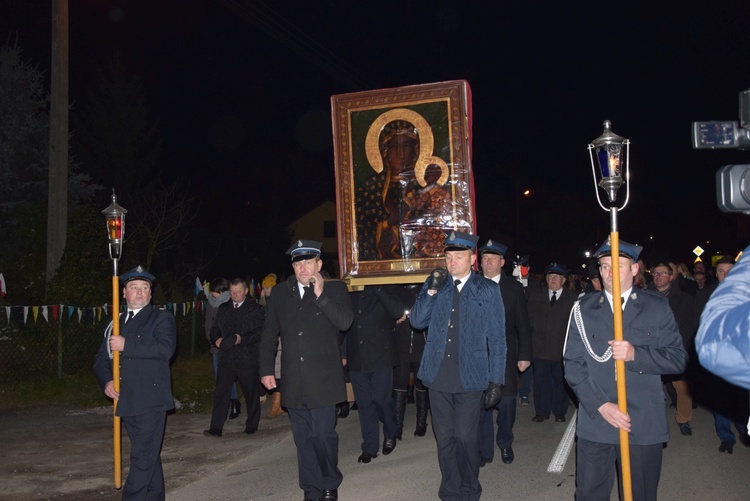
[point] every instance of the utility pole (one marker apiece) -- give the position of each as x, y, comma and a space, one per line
57, 208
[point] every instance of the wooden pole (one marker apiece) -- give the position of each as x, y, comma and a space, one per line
117, 432
622, 396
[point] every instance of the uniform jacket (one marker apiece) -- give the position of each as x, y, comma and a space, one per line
370, 342
145, 379
549, 323
723, 339
517, 330
247, 321
309, 329
481, 340
649, 325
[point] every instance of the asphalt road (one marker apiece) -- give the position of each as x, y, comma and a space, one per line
65, 454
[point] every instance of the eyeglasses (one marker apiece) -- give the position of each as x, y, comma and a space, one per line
660, 273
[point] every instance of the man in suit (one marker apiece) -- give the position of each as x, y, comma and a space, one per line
549, 309
308, 314
147, 341
236, 333
370, 358
651, 347
463, 364
517, 360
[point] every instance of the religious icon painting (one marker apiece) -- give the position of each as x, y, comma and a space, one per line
403, 177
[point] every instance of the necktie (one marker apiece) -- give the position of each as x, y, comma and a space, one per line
307, 289
236, 306
622, 304
456, 283
130, 316
554, 298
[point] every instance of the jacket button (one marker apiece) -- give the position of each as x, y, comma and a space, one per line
300, 333
301, 359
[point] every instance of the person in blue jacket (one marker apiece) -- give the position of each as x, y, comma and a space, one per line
463, 364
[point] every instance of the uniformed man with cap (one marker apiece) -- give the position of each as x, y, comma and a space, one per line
549, 309
651, 347
517, 360
147, 340
308, 314
463, 364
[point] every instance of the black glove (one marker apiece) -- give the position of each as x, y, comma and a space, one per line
437, 279
492, 395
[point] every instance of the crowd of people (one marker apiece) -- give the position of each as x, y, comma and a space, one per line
467, 346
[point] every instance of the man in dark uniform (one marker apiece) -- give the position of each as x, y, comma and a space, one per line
651, 347
370, 358
463, 364
147, 341
236, 333
309, 314
518, 358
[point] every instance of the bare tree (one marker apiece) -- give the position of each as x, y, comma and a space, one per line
161, 217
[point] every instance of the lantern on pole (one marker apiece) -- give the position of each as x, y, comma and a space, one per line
115, 218
611, 154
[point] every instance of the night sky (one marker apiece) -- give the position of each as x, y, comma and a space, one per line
242, 92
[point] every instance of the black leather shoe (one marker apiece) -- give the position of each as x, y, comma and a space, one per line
559, 418
250, 431
726, 447
388, 445
484, 461
342, 410
366, 457
507, 455
744, 439
539, 418
212, 432
235, 407
685, 429
329, 495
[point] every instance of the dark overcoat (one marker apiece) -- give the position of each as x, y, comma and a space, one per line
370, 342
649, 325
549, 323
145, 379
481, 337
247, 321
309, 329
517, 331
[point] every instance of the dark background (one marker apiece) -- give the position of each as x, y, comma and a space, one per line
241, 91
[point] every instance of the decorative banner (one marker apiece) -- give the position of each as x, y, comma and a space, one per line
3, 291
198, 286
54, 311
80, 314
35, 312
7, 313
70, 311
25, 313
44, 313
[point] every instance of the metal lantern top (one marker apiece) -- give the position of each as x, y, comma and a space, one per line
115, 216
612, 154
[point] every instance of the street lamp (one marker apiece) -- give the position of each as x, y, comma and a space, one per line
612, 153
115, 216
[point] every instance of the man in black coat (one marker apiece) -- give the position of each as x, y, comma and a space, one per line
370, 358
236, 332
549, 308
309, 314
147, 341
666, 283
517, 359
